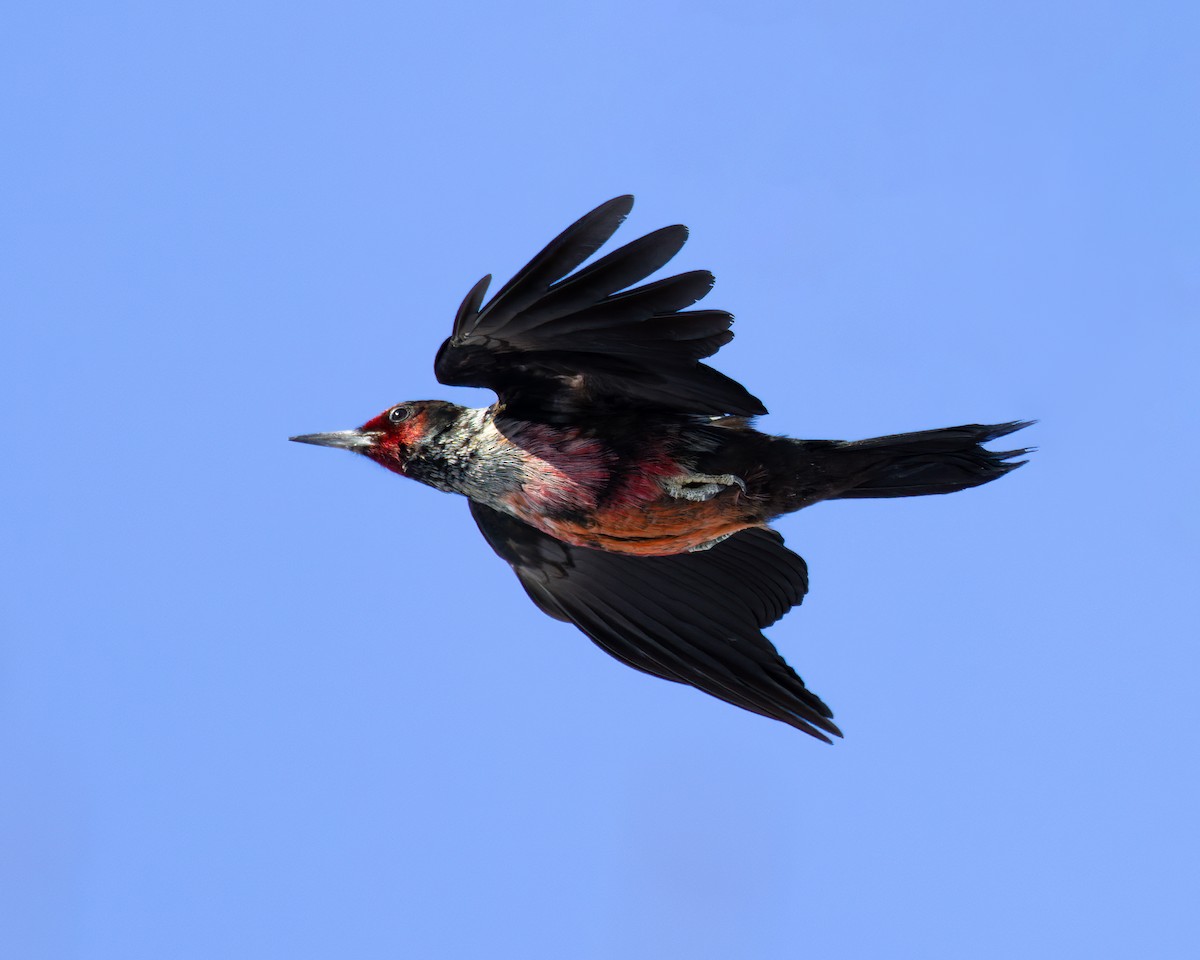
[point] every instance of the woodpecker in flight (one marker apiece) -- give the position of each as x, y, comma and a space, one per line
622, 479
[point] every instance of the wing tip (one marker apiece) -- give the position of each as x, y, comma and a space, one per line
620, 206
468, 310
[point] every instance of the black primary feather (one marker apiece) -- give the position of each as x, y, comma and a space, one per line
553, 345
694, 618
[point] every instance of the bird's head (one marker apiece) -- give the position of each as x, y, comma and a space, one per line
392, 437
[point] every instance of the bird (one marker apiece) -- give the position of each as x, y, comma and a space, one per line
624, 481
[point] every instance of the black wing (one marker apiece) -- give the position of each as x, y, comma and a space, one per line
693, 618
553, 347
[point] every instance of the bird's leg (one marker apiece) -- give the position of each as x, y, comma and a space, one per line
701, 486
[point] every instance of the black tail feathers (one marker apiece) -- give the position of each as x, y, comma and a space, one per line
932, 461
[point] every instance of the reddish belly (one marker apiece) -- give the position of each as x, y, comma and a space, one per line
621, 510
657, 529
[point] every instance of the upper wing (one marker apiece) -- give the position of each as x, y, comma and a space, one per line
551, 346
694, 618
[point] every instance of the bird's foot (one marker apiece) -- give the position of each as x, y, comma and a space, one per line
709, 544
701, 486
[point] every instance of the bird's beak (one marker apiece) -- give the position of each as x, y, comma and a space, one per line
347, 439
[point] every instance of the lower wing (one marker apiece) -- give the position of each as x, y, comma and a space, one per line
694, 618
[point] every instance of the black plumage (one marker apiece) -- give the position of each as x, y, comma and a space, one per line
694, 618
555, 348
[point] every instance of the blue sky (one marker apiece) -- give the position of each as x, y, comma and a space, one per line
262, 700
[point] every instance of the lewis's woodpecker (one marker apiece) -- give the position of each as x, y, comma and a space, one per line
623, 479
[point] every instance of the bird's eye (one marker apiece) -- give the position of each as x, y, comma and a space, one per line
399, 414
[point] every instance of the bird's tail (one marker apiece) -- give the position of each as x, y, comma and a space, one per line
928, 461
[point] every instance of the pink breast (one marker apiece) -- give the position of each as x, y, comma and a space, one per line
563, 468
